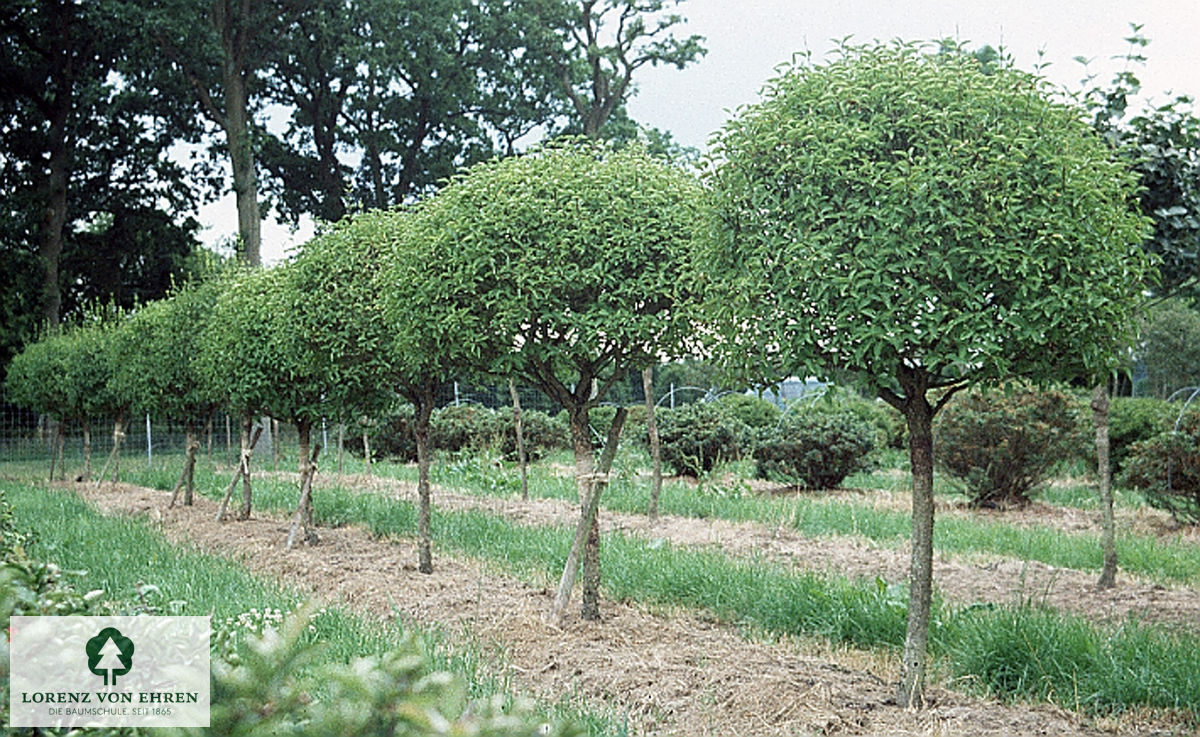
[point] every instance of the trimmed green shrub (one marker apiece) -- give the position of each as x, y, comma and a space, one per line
816, 445
1166, 469
543, 433
755, 412
1133, 420
1003, 445
695, 437
464, 427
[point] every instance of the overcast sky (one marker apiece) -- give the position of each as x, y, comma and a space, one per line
748, 39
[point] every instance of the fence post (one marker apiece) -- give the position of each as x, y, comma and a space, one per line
456, 394
672, 395
149, 444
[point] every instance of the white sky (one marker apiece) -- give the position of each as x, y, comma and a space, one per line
748, 39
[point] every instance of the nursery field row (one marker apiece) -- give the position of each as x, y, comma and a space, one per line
141, 572
664, 670
774, 598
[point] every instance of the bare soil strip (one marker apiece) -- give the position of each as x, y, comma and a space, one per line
671, 673
959, 579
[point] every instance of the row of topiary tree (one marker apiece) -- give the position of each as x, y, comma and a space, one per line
919, 222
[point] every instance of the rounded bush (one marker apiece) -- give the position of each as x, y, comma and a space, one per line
543, 433
696, 437
1166, 469
754, 412
816, 446
1132, 420
1003, 445
464, 427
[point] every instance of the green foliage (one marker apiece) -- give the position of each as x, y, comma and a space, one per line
466, 427
1132, 420
1170, 347
754, 412
161, 372
696, 437
572, 255
1003, 445
338, 319
398, 692
894, 210
1161, 145
816, 445
543, 433
1166, 468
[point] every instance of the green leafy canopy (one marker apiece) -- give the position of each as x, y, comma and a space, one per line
892, 209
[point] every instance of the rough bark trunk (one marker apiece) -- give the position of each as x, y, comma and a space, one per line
1108, 540
589, 479
424, 411
242, 472
303, 518
919, 417
591, 560
367, 450
248, 442
187, 474
655, 446
87, 452
114, 456
520, 431
241, 155
585, 465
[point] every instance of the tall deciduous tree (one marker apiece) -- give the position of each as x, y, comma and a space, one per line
572, 257
598, 46
220, 49
927, 226
84, 170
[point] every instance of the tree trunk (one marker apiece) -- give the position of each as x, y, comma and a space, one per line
241, 155
87, 452
516, 400
591, 559
114, 457
655, 446
1100, 407
187, 475
590, 487
367, 450
919, 416
274, 425
208, 435
247, 450
242, 472
424, 410
308, 467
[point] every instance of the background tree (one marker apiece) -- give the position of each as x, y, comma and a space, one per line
573, 255
1162, 146
598, 45
927, 226
413, 90
219, 50
91, 194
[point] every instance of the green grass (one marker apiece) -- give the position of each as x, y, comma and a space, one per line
136, 567
1008, 652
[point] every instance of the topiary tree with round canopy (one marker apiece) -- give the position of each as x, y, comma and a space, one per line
925, 224
570, 258
163, 372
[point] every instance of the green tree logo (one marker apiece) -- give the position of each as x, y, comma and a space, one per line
110, 654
